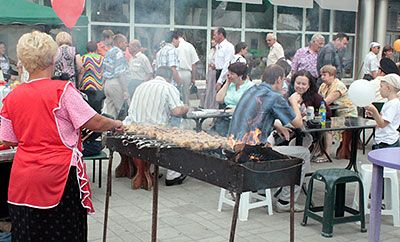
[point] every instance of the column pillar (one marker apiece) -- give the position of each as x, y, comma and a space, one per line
365, 32
382, 7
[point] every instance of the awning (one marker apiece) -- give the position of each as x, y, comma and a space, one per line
23, 12
294, 3
342, 5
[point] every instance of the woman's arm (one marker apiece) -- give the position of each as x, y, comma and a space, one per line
100, 123
222, 93
332, 97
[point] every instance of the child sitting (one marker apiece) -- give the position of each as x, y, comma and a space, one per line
388, 121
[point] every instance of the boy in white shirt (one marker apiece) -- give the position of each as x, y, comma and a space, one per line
388, 120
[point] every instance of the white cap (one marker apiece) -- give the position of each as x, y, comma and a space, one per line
392, 79
374, 44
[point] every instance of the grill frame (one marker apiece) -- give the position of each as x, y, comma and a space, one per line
208, 166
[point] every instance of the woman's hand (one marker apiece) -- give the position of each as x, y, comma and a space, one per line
118, 126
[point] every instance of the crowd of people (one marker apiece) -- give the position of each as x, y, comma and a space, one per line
133, 89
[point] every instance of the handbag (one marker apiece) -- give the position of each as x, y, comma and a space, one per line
193, 89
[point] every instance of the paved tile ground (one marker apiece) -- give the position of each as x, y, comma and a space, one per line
189, 213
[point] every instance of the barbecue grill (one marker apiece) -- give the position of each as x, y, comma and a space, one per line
252, 168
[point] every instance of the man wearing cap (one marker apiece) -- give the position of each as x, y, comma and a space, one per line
386, 66
371, 64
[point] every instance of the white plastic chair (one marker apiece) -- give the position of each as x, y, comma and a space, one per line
248, 200
391, 194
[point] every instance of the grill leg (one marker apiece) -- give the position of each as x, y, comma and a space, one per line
155, 205
108, 193
292, 213
234, 217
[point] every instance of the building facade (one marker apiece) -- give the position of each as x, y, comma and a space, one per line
149, 20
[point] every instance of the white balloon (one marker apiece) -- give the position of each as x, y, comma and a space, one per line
361, 93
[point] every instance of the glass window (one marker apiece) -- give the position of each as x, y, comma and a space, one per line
257, 50
289, 42
317, 19
198, 38
194, 12
233, 37
260, 16
152, 11
150, 38
344, 22
110, 11
226, 14
98, 29
393, 20
289, 18
346, 56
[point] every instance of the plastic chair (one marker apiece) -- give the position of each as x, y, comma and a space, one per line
248, 200
100, 157
391, 197
334, 207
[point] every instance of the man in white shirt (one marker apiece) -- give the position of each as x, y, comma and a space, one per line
224, 54
371, 63
139, 66
187, 69
155, 102
275, 49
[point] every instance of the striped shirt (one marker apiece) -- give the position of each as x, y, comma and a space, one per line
153, 101
93, 76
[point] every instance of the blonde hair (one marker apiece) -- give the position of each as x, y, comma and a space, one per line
330, 69
36, 51
63, 38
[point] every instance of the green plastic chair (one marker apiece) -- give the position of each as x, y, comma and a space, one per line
334, 206
100, 157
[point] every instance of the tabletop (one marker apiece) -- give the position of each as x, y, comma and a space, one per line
388, 157
208, 113
337, 123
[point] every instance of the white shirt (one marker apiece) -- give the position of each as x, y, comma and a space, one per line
140, 66
224, 53
187, 55
152, 102
371, 63
391, 113
235, 58
275, 53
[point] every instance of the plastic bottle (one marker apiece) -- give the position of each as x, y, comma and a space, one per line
322, 113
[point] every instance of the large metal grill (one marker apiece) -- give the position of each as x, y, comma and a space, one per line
250, 169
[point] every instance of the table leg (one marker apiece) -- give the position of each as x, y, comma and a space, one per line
292, 213
199, 123
108, 193
376, 203
354, 147
155, 205
235, 216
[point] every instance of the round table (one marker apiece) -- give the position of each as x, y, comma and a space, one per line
388, 157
